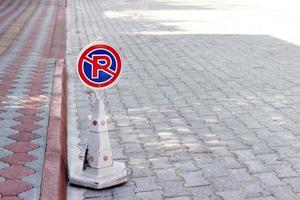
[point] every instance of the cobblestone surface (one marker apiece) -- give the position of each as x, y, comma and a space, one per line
194, 116
27, 64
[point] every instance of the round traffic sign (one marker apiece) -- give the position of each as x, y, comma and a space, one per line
99, 65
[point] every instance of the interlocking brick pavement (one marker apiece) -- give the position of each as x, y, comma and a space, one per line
207, 106
27, 64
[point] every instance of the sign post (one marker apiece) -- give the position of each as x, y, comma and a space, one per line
98, 67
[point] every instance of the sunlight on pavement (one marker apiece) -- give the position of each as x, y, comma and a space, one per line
276, 18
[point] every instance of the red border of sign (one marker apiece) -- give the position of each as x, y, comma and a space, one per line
87, 50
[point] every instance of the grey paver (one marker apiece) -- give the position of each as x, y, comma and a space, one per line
256, 166
179, 198
240, 175
284, 171
254, 189
160, 162
205, 192
294, 183
194, 115
173, 188
245, 155
145, 184
141, 171
232, 194
269, 179
262, 198
168, 174
124, 192
150, 195
224, 184
214, 170
283, 192
194, 178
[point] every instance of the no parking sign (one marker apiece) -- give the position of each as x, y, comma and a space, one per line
99, 65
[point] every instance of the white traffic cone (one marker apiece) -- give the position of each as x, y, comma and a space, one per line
101, 171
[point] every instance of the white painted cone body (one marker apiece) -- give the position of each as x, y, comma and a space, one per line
102, 171
99, 149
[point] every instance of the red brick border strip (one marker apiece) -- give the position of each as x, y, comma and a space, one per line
54, 179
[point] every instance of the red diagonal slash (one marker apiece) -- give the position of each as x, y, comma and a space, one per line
97, 66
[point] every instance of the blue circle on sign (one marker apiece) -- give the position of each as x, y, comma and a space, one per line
103, 76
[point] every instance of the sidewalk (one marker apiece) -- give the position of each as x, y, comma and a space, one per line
31, 45
208, 104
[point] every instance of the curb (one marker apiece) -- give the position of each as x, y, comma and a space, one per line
54, 178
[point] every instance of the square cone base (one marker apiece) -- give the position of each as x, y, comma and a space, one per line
101, 178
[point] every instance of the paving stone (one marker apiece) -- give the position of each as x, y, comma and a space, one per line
24, 137
271, 159
145, 184
284, 171
33, 179
13, 187
25, 127
240, 175
205, 158
185, 166
262, 148
18, 158
234, 145
34, 193
98, 194
8, 132
10, 114
168, 174
15, 172
8, 123
180, 156
232, 194
256, 166
193, 179
4, 152
123, 192
230, 162
245, 155
21, 147
179, 198
5, 141
283, 192
41, 132
220, 151
133, 147
161, 162
173, 188
286, 152
213, 170
141, 171
224, 183
294, 182
228, 109
24, 105
254, 189
3, 165
269, 179
150, 195
262, 198
205, 192
2, 179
